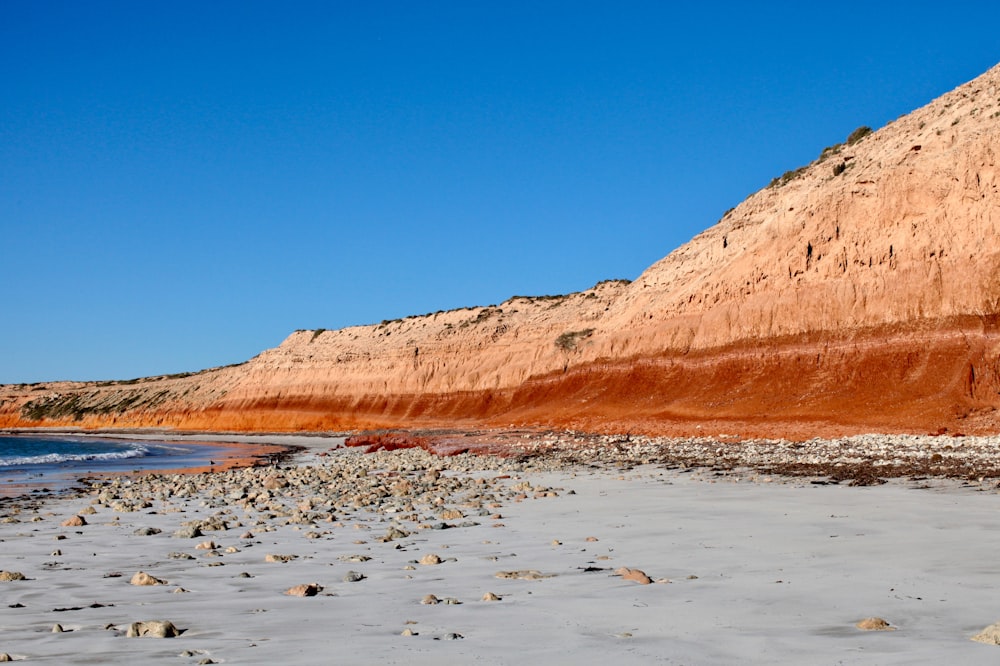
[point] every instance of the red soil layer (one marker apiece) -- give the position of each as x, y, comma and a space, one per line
939, 379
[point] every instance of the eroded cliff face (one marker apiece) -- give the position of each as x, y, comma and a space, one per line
859, 293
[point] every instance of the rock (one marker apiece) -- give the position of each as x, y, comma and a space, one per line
394, 533
874, 624
990, 635
57, 629
188, 532
275, 482
143, 578
5, 657
147, 531
409, 632
153, 629
635, 575
430, 600
206, 545
74, 521
524, 574
353, 577
280, 558
354, 558
305, 590
180, 556
452, 637
591, 539
451, 514
7, 576
88, 511
430, 559
489, 596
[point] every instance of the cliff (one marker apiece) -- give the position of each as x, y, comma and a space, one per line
860, 292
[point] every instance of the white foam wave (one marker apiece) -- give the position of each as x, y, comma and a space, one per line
137, 451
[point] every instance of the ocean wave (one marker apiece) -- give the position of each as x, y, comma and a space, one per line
138, 451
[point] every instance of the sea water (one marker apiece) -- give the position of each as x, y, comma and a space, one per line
39, 463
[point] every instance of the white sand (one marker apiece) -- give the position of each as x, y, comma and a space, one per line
783, 573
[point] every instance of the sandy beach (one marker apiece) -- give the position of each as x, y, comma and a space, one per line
409, 558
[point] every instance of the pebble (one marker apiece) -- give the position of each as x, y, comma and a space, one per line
304, 590
153, 629
990, 635
143, 578
874, 624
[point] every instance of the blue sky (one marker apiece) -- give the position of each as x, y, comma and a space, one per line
184, 184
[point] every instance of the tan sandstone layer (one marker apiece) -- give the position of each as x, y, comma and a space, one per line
861, 292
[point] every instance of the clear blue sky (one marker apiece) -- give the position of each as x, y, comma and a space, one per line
183, 184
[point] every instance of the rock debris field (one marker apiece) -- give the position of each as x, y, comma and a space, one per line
578, 548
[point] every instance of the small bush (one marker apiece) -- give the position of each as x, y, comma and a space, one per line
858, 134
568, 341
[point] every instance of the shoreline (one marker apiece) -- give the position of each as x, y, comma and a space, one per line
400, 554
211, 452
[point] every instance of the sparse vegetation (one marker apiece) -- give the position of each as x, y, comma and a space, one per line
829, 151
318, 332
858, 134
787, 177
839, 168
622, 281
569, 340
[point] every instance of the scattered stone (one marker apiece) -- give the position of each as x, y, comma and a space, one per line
591, 539
394, 533
990, 635
452, 637
430, 600
524, 574
5, 657
57, 629
635, 575
74, 521
153, 629
147, 531
409, 632
188, 532
180, 556
430, 559
305, 590
206, 545
489, 596
353, 577
143, 578
874, 624
280, 558
7, 576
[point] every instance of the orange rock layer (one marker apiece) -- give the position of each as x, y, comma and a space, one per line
859, 293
